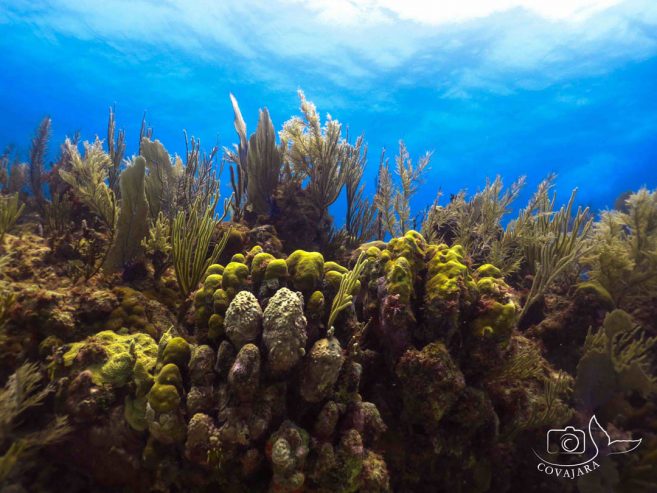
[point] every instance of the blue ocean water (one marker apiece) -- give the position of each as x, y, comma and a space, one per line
510, 88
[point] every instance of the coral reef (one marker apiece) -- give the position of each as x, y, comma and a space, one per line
275, 351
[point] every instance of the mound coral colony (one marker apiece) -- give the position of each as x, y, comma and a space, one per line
157, 338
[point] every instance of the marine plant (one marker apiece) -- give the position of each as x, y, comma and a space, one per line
475, 224
316, 152
157, 245
37, 162
13, 173
562, 241
360, 218
623, 259
191, 236
131, 225
87, 178
394, 202
263, 166
348, 284
618, 357
10, 211
7, 301
19, 441
162, 179
239, 172
115, 150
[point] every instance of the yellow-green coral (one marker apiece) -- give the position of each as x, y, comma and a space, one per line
446, 274
497, 322
315, 305
399, 279
332, 279
334, 266
259, 266
276, 269
170, 374
214, 269
177, 351
120, 355
306, 269
130, 315
220, 301
411, 246
163, 397
238, 257
215, 326
235, 277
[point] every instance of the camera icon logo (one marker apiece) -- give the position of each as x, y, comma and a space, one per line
570, 440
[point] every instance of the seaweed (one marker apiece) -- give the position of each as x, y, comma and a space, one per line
20, 443
239, 177
394, 203
623, 258
37, 161
87, 178
10, 211
316, 152
263, 166
191, 236
132, 225
348, 284
560, 242
157, 245
116, 151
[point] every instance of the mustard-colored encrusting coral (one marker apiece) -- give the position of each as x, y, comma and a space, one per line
306, 269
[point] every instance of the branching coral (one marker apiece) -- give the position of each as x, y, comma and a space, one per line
360, 219
116, 150
316, 152
10, 211
348, 284
36, 163
157, 245
263, 165
191, 235
394, 203
132, 224
563, 243
624, 255
616, 358
20, 444
476, 223
87, 177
